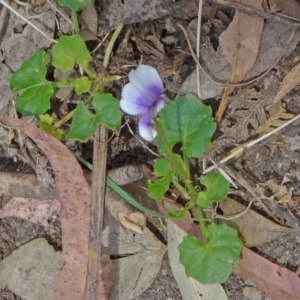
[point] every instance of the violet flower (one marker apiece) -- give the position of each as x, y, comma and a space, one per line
143, 95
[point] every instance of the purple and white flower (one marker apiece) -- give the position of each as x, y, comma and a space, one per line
143, 95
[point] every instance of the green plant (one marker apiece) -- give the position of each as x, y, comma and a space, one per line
186, 121
35, 91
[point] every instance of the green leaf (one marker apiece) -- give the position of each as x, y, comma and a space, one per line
158, 188
180, 213
203, 200
83, 124
107, 110
35, 91
216, 184
74, 4
213, 262
163, 167
82, 85
189, 122
68, 51
46, 123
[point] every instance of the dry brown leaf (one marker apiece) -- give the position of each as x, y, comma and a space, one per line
254, 228
280, 192
30, 271
135, 221
240, 42
275, 120
290, 80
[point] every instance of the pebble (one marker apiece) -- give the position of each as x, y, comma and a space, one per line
252, 293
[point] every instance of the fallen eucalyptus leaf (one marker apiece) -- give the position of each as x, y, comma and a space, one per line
31, 270
254, 228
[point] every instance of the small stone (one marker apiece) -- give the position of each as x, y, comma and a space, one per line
250, 282
164, 272
252, 293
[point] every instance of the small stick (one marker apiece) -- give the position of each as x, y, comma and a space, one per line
198, 46
3, 15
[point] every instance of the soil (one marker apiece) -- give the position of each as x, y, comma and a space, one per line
161, 44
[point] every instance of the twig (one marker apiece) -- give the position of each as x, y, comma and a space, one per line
198, 46
251, 143
97, 209
27, 21
60, 12
3, 15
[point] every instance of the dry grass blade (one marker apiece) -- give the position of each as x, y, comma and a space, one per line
251, 143
291, 80
278, 119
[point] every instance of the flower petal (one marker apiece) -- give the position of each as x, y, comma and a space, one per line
146, 79
146, 130
158, 107
135, 101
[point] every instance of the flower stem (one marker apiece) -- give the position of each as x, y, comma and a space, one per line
111, 44
75, 22
202, 224
185, 176
180, 188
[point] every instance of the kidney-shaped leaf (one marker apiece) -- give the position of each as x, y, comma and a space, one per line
214, 261
68, 51
189, 122
35, 91
107, 110
216, 188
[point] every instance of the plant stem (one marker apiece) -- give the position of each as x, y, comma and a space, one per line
75, 22
172, 156
186, 164
180, 188
202, 224
69, 116
90, 72
111, 44
185, 176
62, 85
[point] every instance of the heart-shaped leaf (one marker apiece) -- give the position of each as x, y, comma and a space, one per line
35, 91
84, 122
214, 261
83, 125
107, 110
82, 85
158, 188
68, 51
217, 188
189, 122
